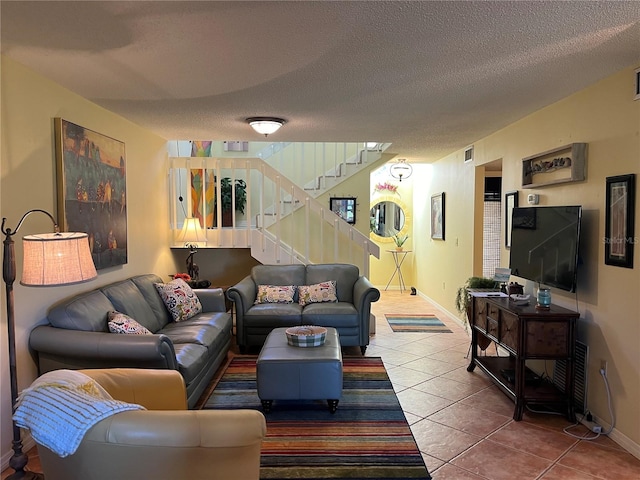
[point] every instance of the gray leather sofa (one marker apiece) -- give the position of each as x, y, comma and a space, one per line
349, 316
78, 337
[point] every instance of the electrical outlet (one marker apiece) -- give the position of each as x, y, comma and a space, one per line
603, 367
443, 286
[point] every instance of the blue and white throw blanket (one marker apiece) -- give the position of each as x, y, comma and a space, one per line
61, 406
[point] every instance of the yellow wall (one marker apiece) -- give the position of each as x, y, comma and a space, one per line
603, 115
606, 117
29, 105
383, 268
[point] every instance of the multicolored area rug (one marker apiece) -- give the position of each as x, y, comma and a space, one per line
427, 323
367, 438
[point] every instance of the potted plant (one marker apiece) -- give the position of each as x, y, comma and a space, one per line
227, 190
462, 302
399, 240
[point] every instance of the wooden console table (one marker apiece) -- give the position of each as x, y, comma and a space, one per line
526, 333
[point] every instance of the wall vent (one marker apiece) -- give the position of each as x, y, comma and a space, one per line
580, 381
468, 154
637, 75
230, 146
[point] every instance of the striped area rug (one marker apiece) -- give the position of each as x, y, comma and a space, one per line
367, 438
427, 323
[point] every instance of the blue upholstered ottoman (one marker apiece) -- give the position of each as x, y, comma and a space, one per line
285, 372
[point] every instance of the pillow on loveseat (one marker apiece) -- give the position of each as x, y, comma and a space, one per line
275, 294
121, 323
180, 299
317, 293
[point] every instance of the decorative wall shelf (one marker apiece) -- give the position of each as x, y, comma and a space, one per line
560, 165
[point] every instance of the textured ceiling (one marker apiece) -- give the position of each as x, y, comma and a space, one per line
430, 77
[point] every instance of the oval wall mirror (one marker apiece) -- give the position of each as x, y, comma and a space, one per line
388, 216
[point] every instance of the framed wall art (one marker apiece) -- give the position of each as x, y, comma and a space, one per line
510, 202
92, 193
344, 207
619, 220
437, 216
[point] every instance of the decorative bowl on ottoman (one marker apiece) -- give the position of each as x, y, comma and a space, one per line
306, 336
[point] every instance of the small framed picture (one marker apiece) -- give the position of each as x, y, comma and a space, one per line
344, 207
437, 216
619, 220
510, 202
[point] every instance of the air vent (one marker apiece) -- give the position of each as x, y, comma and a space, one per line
230, 146
637, 74
468, 154
580, 377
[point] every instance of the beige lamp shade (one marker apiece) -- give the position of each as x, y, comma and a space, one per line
192, 233
57, 259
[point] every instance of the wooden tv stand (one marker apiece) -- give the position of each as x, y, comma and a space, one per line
526, 333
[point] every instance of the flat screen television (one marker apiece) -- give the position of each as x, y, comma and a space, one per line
544, 245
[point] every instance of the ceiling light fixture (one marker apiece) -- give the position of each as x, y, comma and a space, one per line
266, 125
401, 169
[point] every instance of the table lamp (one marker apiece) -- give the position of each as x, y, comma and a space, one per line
192, 236
49, 260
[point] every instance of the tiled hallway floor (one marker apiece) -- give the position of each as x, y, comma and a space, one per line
463, 424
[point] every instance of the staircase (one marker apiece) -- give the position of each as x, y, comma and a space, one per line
282, 222
320, 167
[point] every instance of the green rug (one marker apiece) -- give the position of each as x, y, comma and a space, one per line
367, 438
427, 323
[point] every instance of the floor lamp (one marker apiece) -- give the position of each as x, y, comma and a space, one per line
49, 259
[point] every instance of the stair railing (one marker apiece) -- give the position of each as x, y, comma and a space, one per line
300, 229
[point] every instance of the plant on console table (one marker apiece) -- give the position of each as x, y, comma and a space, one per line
399, 240
463, 302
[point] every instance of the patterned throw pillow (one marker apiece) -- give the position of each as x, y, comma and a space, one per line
320, 292
121, 323
180, 300
275, 294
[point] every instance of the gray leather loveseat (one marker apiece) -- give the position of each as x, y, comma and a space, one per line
349, 315
78, 337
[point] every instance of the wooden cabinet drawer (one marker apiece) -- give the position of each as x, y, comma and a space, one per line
547, 339
480, 319
509, 330
492, 326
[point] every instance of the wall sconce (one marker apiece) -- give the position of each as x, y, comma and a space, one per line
192, 236
266, 125
49, 260
401, 169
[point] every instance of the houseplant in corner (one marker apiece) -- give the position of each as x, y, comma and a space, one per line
399, 240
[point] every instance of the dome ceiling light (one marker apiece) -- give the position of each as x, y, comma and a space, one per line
401, 169
266, 125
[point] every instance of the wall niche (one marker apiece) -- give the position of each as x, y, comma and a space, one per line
560, 165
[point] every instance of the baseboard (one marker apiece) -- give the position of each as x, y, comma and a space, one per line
453, 316
620, 438
27, 444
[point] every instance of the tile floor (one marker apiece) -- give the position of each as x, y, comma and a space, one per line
463, 424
